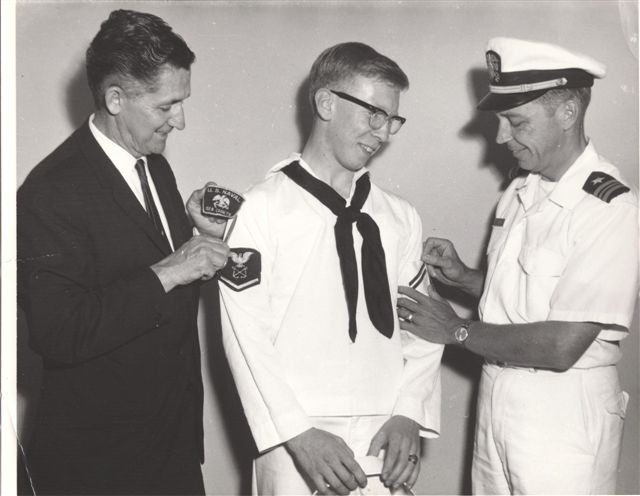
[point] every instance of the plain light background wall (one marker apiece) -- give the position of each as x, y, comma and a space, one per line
247, 112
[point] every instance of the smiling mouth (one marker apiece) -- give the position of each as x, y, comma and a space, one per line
368, 149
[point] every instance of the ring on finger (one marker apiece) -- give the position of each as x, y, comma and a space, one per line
409, 317
413, 458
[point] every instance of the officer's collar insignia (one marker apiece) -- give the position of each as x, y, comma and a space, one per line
603, 186
242, 270
494, 66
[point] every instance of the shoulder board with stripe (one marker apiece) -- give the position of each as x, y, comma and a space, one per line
603, 186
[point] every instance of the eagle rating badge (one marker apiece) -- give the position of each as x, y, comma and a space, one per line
242, 270
221, 202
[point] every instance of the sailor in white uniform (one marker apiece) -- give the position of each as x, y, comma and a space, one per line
325, 375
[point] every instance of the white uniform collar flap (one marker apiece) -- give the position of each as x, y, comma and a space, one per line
569, 190
527, 190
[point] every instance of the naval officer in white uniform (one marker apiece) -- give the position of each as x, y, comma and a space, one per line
559, 292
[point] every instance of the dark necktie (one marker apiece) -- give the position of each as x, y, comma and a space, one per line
374, 266
149, 204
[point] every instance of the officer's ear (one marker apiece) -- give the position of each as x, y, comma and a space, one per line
113, 98
324, 103
568, 113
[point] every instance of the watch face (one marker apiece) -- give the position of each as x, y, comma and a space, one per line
461, 334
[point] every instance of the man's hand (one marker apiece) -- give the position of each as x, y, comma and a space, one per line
327, 461
206, 224
444, 265
199, 258
429, 317
400, 438
443, 262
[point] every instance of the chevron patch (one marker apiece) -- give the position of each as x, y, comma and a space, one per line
242, 270
603, 186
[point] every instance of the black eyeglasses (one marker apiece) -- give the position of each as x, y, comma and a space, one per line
378, 117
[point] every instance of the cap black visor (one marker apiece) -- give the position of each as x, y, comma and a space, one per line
498, 102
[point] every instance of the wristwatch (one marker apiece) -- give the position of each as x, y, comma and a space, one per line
462, 332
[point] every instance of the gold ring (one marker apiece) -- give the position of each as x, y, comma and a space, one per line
409, 318
413, 458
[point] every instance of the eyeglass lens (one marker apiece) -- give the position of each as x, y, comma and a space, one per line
379, 119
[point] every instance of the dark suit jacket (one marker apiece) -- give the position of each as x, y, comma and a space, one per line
121, 400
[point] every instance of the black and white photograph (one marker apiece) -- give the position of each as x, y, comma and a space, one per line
305, 247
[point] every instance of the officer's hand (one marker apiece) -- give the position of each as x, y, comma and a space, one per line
199, 258
327, 461
443, 262
429, 316
206, 224
400, 438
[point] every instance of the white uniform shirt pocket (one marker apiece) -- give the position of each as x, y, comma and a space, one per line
541, 270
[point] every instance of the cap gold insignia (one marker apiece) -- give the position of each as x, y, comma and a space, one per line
493, 64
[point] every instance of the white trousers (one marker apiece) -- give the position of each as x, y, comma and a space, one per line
543, 432
274, 472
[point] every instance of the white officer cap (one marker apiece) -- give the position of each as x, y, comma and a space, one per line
521, 71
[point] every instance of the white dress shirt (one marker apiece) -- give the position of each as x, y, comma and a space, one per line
126, 165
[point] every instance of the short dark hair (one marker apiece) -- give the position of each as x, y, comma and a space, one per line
345, 61
133, 47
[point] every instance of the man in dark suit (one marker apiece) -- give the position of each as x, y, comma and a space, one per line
108, 279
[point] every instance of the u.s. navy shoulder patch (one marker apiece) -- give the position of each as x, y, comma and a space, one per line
603, 186
242, 270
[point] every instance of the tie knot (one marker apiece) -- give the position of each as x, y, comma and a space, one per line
374, 269
140, 166
350, 214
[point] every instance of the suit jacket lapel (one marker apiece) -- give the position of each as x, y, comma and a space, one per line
113, 180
